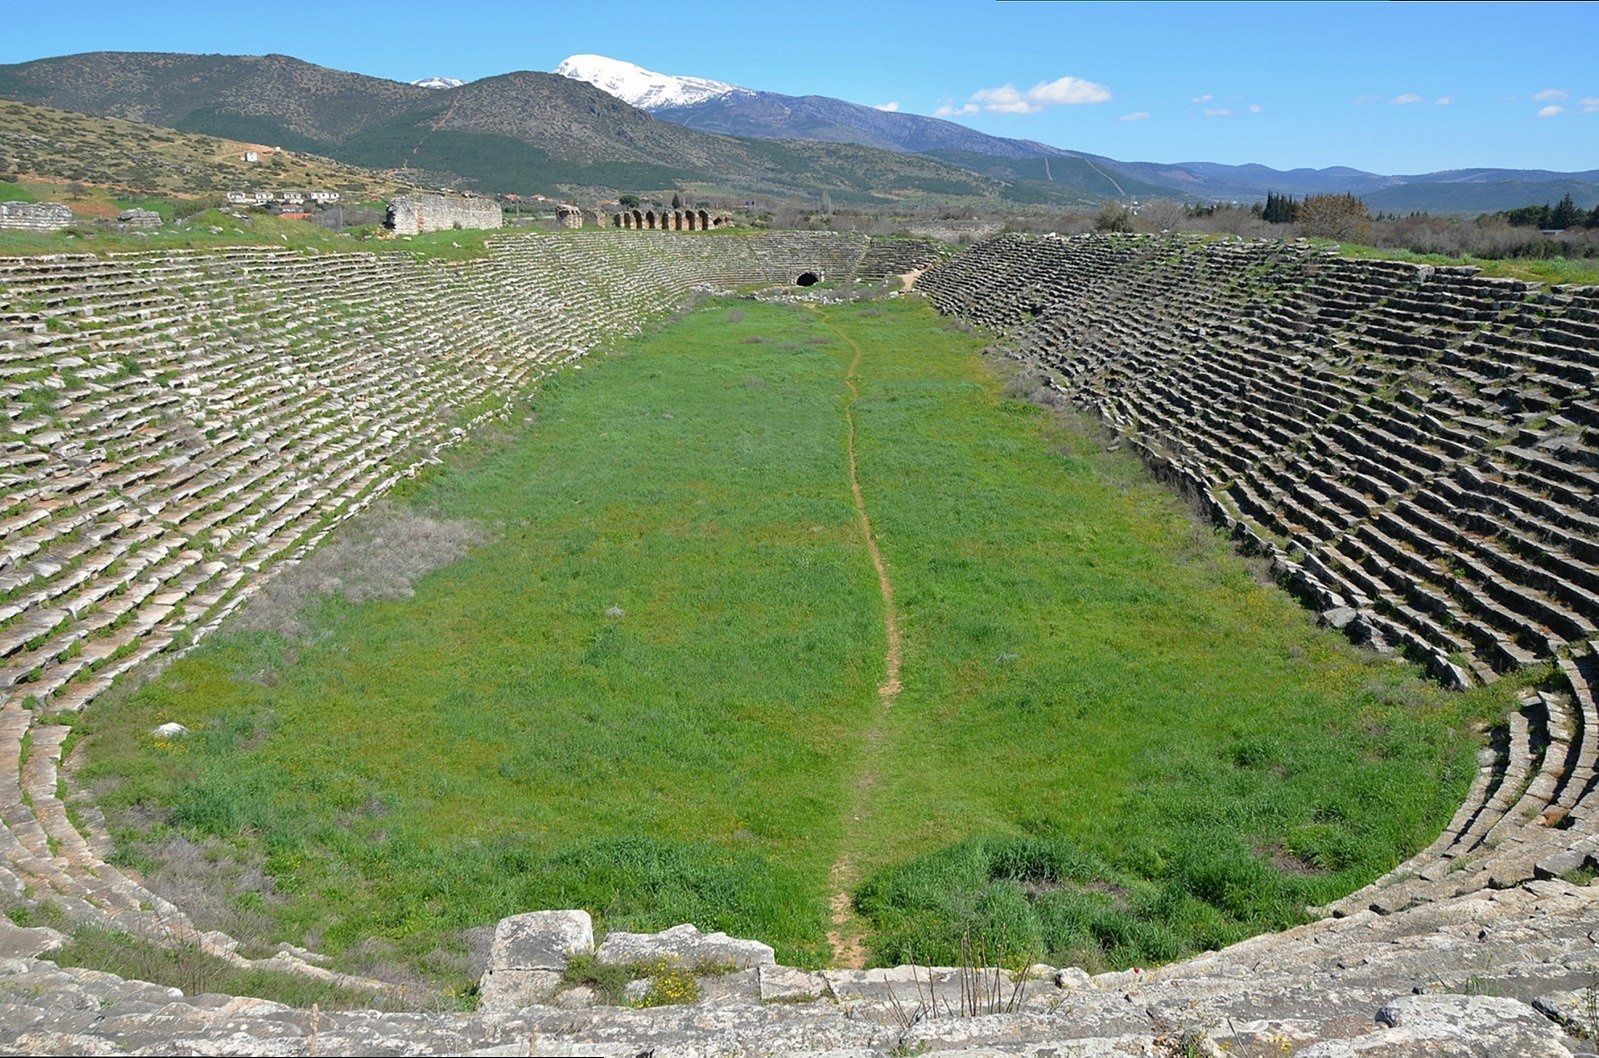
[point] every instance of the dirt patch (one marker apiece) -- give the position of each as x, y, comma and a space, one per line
1284, 862
376, 556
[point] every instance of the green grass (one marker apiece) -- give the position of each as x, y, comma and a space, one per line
651, 692
1090, 669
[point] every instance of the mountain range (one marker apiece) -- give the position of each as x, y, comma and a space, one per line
599, 126
519, 132
714, 106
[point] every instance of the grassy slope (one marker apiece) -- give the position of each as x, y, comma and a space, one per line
45, 142
1083, 664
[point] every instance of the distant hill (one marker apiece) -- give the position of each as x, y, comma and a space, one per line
1469, 191
523, 132
1485, 190
66, 146
769, 115
1050, 179
643, 88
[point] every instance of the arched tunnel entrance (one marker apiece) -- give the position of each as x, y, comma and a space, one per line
807, 279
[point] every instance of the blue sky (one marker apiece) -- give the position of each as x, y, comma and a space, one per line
1392, 88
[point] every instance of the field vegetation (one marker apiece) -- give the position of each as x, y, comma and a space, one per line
649, 687
199, 225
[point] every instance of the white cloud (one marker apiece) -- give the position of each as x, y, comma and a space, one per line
1551, 111
1254, 108
1551, 93
1068, 91
1590, 104
1218, 112
1407, 99
1137, 115
1008, 99
1207, 97
1443, 101
889, 107
1004, 100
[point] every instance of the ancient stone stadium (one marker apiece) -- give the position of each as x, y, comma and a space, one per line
1410, 448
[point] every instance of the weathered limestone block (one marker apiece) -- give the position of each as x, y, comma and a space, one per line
139, 218
791, 985
1453, 1025
684, 945
17, 942
34, 216
1338, 616
1577, 1010
528, 956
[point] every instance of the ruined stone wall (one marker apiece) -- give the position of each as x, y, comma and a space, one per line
416, 214
34, 216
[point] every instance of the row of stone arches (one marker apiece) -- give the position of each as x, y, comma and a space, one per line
667, 220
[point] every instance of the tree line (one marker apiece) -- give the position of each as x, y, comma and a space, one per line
1559, 217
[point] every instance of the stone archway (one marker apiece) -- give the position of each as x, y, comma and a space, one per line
807, 279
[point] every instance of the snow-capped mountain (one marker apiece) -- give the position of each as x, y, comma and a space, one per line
438, 82
643, 88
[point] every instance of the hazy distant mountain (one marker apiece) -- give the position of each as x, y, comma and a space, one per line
1484, 190
1452, 191
438, 82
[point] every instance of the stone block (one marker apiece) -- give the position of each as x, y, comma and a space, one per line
684, 945
785, 984
529, 954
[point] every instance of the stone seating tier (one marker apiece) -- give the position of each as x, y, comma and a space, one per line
1367, 414
1410, 447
